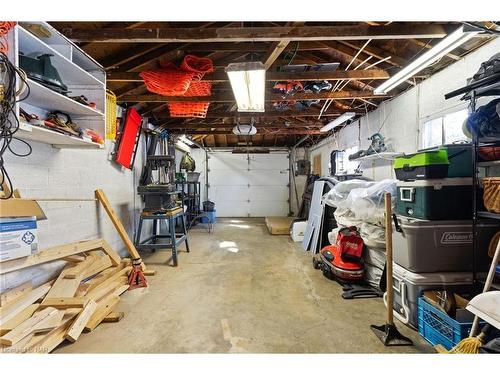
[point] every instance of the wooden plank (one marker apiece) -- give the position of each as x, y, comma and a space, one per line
11, 295
115, 257
27, 327
274, 52
99, 193
50, 254
81, 320
82, 290
256, 34
80, 268
63, 287
10, 311
50, 323
103, 290
149, 272
271, 76
74, 258
18, 319
64, 303
229, 98
102, 264
113, 317
44, 344
103, 310
113, 277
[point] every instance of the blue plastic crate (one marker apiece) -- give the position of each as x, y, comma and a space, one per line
438, 328
209, 218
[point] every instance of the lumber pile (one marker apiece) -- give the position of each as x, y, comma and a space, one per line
84, 295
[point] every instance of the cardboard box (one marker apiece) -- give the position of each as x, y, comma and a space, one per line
279, 224
16, 207
18, 237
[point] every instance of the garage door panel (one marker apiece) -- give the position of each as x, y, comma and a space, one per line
231, 209
267, 177
268, 193
228, 177
264, 161
229, 193
262, 209
226, 161
240, 188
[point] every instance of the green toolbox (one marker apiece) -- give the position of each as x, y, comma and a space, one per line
436, 199
460, 158
448, 161
422, 165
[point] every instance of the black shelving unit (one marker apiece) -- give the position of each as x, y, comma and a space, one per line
190, 193
483, 88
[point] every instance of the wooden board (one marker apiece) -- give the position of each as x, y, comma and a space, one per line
27, 327
10, 311
115, 257
64, 303
117, 223
63, 287
73, 272
103, 310
50, 254
112, 277
279, 224
113, 317
317, 165
100, 265
81, 320
18, 319
14, 293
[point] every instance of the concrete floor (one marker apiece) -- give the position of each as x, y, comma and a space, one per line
241, 290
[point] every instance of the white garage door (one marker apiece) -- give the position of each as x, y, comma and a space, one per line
252, 185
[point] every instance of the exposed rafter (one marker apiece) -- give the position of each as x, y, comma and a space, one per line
257, 34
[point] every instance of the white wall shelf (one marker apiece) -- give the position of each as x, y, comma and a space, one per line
36, 133
380, 155
45, 98
78, 71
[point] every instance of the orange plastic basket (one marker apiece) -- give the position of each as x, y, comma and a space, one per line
168, 82
188, 109
198, 65
199, 88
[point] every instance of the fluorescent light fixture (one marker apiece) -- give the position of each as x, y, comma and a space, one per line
248, 81
338, 121
446, 45
186, 140
182, 146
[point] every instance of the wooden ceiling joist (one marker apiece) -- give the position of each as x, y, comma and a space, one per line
221, 76
257, 34
230, 98
269, 114
279, 131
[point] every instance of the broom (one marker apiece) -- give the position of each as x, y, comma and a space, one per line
471, 344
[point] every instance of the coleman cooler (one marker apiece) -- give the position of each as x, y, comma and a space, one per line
440, 246
409, 286
422, 165
438, 199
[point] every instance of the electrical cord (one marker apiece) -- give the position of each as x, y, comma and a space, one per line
9, 121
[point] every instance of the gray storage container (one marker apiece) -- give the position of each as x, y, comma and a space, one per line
440, 246
409, 286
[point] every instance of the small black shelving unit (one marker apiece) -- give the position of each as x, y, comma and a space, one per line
190, 193
486, 87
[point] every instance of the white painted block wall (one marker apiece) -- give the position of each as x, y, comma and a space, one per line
401, 118
73, 173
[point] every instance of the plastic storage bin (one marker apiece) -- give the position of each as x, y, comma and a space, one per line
438, 328
209, 218
409, 286
438, 199
440, 246
422, 165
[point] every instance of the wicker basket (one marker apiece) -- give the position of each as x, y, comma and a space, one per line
491, 194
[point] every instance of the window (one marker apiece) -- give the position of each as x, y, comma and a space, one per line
344, 165
444, 130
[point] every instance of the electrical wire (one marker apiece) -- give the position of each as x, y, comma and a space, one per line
9, 121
